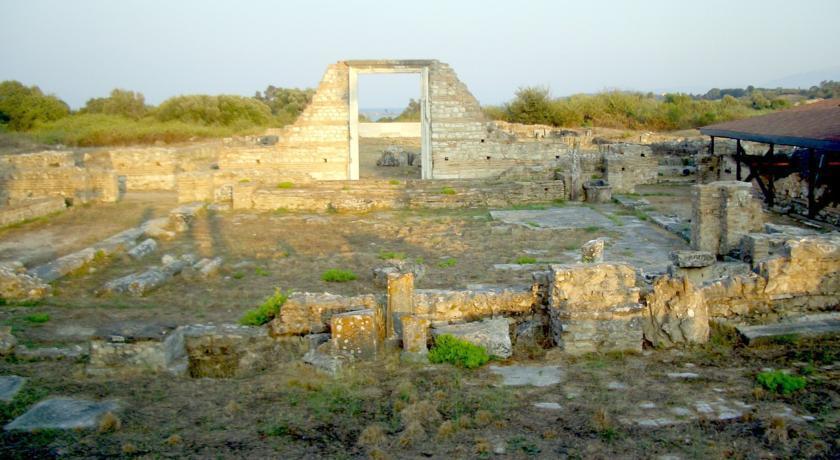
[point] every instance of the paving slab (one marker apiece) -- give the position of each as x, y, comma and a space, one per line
569, 217
62, 413
538, 376
10, 385
809, 325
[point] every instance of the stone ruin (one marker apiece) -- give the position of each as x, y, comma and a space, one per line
740, 266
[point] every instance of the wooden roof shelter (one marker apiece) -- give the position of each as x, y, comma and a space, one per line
813, 128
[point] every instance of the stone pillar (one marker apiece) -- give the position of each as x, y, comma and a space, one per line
592, 251
400, 301
722, 213
415, 334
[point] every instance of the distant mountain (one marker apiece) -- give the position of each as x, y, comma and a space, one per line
805, 79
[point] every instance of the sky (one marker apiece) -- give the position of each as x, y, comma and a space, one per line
84, 48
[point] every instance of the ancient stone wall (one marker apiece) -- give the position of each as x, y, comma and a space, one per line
54, 174
722, 213
629, 165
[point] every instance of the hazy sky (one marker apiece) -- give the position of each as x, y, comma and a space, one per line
83, 48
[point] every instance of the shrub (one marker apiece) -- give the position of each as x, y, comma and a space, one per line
387, 255
452, 350
338, 275
526, 260
450, 262
22, 107
448, 191
222, 110
121, 102
780, 382
37, 318
266, 311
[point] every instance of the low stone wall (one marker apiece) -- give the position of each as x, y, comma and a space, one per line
30, 209
629, 165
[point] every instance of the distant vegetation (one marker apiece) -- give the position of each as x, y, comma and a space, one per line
633, 110
410, 113
124, 118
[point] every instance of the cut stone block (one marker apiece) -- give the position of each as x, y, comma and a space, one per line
306, 312
713, 272
143, 249
538, 376
358, 333
231, 350
400, 300
806, 326
8, 341
133, 347
415, 334
692, 259
138, 284
474, 303
10, 385
592, 251
16, 284
677, 313
62, 413
492, 334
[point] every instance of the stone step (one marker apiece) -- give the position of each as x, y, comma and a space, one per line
805, 326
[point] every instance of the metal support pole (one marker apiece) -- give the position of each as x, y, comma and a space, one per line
811, 179
738, 159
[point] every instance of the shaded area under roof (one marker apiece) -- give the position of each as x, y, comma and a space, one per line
815, 125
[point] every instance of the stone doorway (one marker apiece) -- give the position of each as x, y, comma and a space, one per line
393, 67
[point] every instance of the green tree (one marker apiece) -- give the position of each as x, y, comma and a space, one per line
286, 104
128, 104
215, 110
22, 107
531, 105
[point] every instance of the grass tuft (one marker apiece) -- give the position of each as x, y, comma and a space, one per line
286, 185
780, 382
524, 260
448, 191
452, 350
450, 262
266, 311
338, 275
389, 255
37, 318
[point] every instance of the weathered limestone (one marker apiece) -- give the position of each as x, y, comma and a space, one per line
231, 350
143, 249
358, 333
629, 165
400, 301
7, 341
468, 305
133, 348
31, 209
208, 267
182, 217
138, 284
805, 326
10, 386
595, 308
16, 284
676, 313
712, 272
307, 313
722, 213
62, 414
692, 259
597, 191
415, 334
592, 251
492, 334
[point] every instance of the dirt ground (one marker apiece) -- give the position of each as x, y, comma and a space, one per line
292, 412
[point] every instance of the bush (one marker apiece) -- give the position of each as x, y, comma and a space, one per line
286, 104
38, 318
780, 382
266, 311
92, 129
231, 111
22, 107
337, 275
121, 102
452, 350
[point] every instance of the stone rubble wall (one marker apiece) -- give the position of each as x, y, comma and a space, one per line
629, 165
30, 209
722, 213
34, 176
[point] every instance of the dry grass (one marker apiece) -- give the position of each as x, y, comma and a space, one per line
109, 423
